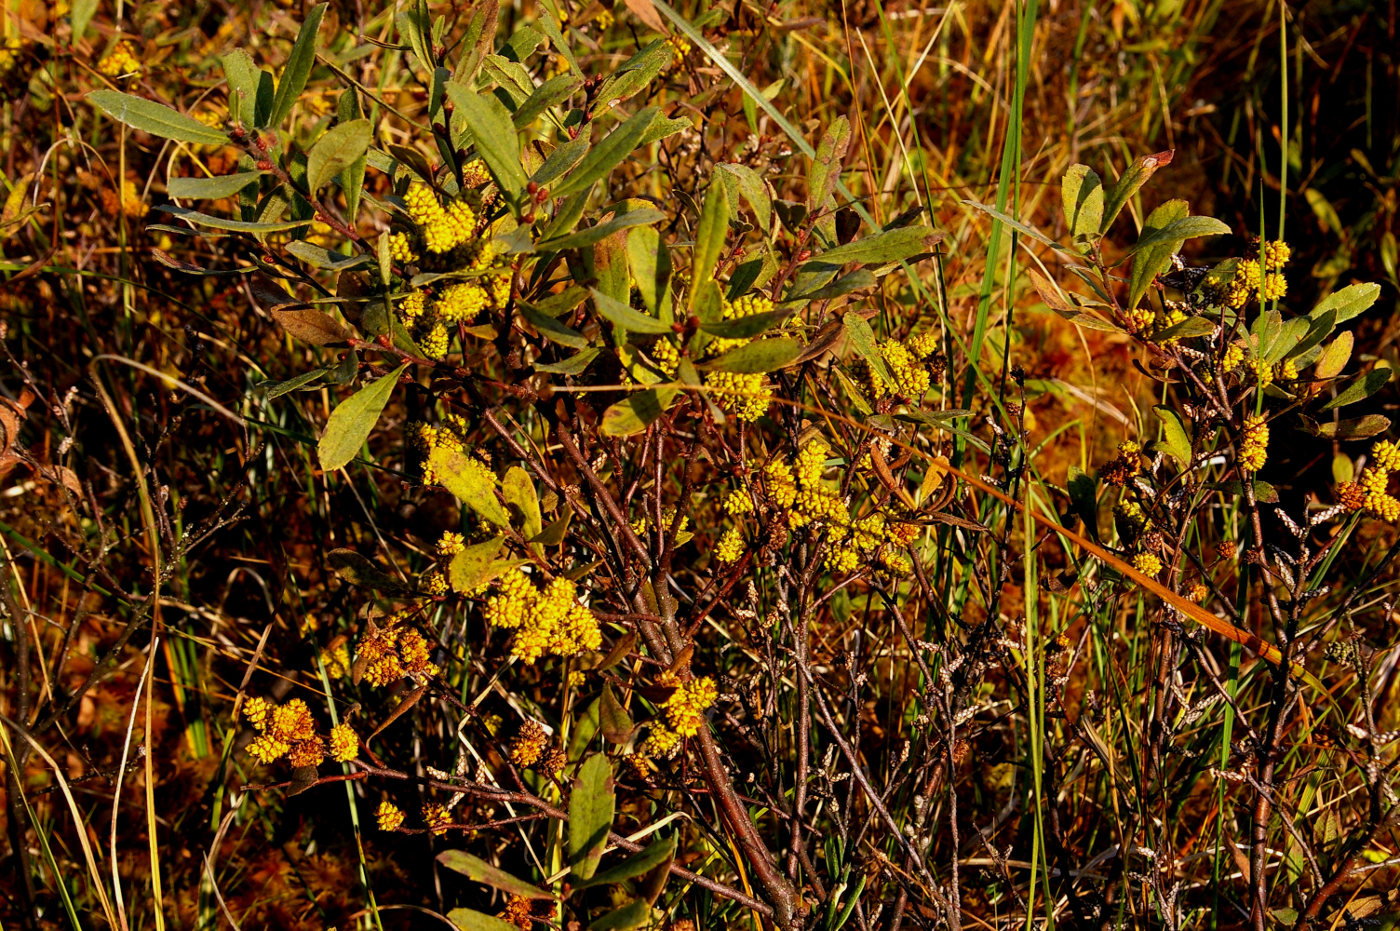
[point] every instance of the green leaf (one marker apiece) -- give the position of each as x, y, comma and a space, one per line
244, 86
564, 157
643, 861
359, 570
554, 531
650, 263
1176, 435
1190, 328
1082, 195
857, 280
591, 804
474, 867
1365, 386
632, 915
593, 234
275, 389
519, 491
321, 257
709, 238
155, 118
637, 412
413, 26
494, 136
879, 249
468, 920
764, 355
552, 329
1360, 428
625, 317
80, 15
1179, 230
214, 188
1336, 356
634, 74
470, 481
551, 93
1128, 185
235, 226
1348, 302
1155, 259
576, 364
339, 148
751, 186
612, 151
613, 719
863, 338
298, 68
477, 564
351, 422
1017, 225
745, 327
826, 165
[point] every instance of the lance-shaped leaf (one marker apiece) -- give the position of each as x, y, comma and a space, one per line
335, 151
214, 188
1335, 357
552, 329
1360, 428
602, 231
474, 867
1365, 386
612, 151
519, 492
632, 915
614, 720
709, 238
351, 422
1180, 229
882, 248
863, 338
312, 326
1176, 435
468, 920
637, 412
476, 565
155, 118
591, 805
1128, 185
298, 68
493, 134
1156, 257
1348, 302
1081, 193
645, 860
625, 317
470, 481
751, 186
764, 355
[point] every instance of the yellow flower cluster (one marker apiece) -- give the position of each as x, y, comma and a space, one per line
119, 62
680, 48
283, 731
730, 547
436, 817
604, 20
345, 743
1139, 319
9, 56
395, 651
517, 912
1370, 492
1147, 563
1262, 277
528, 744
1125, 466
449, 435
549, 621
336, 659
388, 816
1130, 520
746, 395
909, 377
1254, 444
668, 516
1234, 355
685, 709
442, 228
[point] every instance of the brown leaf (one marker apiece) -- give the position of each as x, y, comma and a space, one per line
645, 10
312, 326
